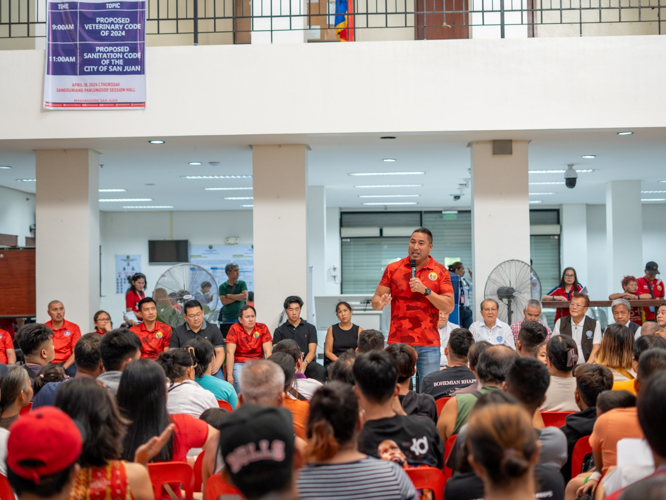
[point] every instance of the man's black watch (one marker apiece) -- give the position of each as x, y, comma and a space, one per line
427, 292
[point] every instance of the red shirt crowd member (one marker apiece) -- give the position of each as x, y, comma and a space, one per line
7, 354
135, 294
649, 287
564, 291
416, 302
65, 334
155, 336
103, 324
247, 340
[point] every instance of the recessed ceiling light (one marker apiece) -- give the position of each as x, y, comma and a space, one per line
149, 206
561, 171
156, 141
540, 194
388, 137
653, 199
120, 200
652, 192
589, 157
389, 196
112, 190
391, 186
625, 133
206, 177
27, 180
389, 160
535, 202
544, 183
247, 206
662, 181
392, 203
194, 163
239, 198
5, 167
229, 189
150, 184
361, 174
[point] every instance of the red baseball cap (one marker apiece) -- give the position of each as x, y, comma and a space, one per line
48, 436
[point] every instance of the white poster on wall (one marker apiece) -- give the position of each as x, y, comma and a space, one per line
214, 259
126, 266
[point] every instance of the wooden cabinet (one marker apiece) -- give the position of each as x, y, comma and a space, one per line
17, 282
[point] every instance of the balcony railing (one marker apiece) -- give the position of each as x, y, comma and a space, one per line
171, 22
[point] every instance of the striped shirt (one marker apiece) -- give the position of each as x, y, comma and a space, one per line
366, 479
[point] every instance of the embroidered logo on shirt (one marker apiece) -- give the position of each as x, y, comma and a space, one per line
255, 334
499, 339
589, 334
158, 334
67, 333
419, 446
432, 276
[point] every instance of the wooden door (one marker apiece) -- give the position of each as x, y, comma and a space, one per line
431, 23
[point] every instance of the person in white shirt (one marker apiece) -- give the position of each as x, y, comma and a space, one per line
445, 327
561, 358
622, 313
585, 331
490, 328
184, 395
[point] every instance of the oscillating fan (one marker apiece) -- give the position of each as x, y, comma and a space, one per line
181, 283
512, 284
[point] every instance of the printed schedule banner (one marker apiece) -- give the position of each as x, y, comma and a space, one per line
95, 55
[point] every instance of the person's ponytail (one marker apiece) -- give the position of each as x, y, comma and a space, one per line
513, 464
322, 444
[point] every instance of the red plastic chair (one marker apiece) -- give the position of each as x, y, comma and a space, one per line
198, 465
555, 418
440, 404
448, 446
6, 492
581, 448
217, 486
426, 478
224, 404
172, 473
26, 409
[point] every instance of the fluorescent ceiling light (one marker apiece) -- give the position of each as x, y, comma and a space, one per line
247, 206
27, 180
194, 163
156, 141
112, 190
535, 202
561, 171
5, 167
239, 198
652, 192
625, 133
359, 174
393, 203
389, 196
540, 194
662, 181
653, 199
229, 189
125, 200
148, 206
391, 186
543, 183
206, 177
389, 160
589, 157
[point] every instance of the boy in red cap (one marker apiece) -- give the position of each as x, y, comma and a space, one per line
42, 451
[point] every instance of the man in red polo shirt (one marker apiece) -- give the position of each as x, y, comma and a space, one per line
155, 336
416, 302
649, 287
65, 336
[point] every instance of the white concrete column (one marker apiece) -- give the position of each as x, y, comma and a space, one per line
316, 213
279, 21
280, 228
574, 240
624, 231
333, 251
67, 220
500, 211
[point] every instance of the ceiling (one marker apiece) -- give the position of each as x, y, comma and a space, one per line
155, 171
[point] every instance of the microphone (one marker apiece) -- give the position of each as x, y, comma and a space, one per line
412, 263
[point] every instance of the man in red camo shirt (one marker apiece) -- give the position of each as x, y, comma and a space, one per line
649, 287
416, 302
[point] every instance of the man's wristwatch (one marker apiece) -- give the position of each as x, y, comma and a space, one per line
427, 292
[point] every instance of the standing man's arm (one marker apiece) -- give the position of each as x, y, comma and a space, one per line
444, 302
381, 298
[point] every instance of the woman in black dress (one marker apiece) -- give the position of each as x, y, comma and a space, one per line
341, 337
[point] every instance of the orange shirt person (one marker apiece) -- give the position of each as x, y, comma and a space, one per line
155, 336
65, 336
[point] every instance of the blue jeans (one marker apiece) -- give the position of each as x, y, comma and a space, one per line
428, 361
237, 372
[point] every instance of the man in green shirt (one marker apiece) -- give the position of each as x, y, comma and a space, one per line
233, 294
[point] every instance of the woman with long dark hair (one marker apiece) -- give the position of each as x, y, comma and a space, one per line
342, 336
102, 470
564, 291
135, 294
142, 399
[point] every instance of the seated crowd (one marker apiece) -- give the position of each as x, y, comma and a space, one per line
502, 418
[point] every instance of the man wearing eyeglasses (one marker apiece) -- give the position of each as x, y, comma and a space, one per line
196, 326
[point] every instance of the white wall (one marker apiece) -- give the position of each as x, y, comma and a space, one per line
235, 84
125, 233
597, 274
654, 235
333, 257
17, 213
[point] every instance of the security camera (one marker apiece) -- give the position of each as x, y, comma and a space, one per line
456, 197
570, 177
